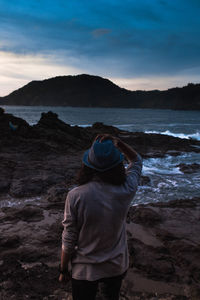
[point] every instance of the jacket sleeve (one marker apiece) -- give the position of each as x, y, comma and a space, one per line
70, 232
133, 173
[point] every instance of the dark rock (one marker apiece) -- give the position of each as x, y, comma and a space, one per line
44, 159
145, 180
33, 159
6, 130
2, 111
57, 193
27, 213
23, 187
6, 172
179, 203
143, 215
149, 260
102, 128
188, 169
165, 235
9, 242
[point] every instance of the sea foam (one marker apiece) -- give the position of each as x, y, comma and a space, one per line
195, 136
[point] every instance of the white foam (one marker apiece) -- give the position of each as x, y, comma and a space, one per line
82, 125
195, 136
164, 166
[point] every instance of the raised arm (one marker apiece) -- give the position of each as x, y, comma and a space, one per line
134, 169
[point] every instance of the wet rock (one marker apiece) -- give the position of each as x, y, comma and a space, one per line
7, 167
189, 169
33, 182
27, 214
193, 292
145, 180
43, 159
102, 128
143, 215
165, 235
151, 261
2, 111
57, 193
179, 203
11, 126
57, 132
26, 187
35, 158
9, 242
6, 285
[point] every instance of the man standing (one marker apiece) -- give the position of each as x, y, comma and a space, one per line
94, 235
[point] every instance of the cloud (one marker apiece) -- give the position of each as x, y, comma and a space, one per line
111, 38
100, 32
17, 70
155, 82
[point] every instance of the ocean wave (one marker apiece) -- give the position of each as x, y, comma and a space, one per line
161, 170
195, 136
82, 125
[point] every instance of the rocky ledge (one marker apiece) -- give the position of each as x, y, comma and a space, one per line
164, 246
35, 158
41, 161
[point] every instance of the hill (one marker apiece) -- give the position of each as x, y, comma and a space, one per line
94, 91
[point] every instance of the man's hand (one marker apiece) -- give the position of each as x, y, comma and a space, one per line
106, 136
129, 152
65, 277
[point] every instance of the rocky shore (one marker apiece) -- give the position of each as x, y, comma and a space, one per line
40, 162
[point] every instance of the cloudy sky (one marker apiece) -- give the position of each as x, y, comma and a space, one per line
138, 44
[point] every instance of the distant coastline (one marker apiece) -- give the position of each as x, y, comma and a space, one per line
94, 91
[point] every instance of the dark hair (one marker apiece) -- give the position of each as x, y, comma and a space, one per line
115, 176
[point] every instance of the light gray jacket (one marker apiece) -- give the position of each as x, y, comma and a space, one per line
95, 226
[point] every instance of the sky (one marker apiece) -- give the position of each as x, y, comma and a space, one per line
137, 44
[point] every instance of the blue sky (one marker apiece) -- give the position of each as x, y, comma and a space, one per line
146, 44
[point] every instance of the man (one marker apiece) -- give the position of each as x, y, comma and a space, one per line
94, 235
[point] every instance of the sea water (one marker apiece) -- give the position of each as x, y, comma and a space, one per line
167, 182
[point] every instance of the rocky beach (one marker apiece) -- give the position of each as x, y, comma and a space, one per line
38, 165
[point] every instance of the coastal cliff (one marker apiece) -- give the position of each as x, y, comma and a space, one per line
37, 168
94, 91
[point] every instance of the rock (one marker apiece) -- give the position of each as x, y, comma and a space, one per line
57, 193
189, 169
145, 180
143, 215
6, 285
25, 187
27, 214
179, 203
102, 128
193, 292
2, 111
164, 256
43, 160
6, 129
7, 167
9, 242
35, 158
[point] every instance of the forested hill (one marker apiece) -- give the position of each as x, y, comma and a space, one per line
94, 91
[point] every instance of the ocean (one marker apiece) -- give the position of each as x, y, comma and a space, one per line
167, 181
